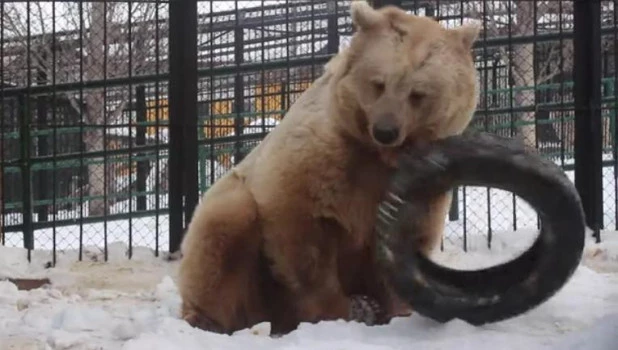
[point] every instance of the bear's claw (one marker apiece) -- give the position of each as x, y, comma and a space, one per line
366, 310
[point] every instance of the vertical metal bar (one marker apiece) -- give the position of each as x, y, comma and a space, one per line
453, 213
81, 128
494, 82
183, 175
211, 98
465, 206
55, 136
613, 114
287, 55
239, 90
140, 140
130, 141
42, 179
283, 91
190, 135
511, 97
201, 153
562, 89
486, 119
312, 52
587, 94
465, 220
2, 132
536, 94
262, 70
106, 179
332, 29
535, 74
25, 144
175, 203
157, 132
430, 11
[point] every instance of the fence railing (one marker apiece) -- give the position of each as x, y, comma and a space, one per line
117, 144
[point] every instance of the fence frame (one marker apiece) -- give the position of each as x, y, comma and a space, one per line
184, 141
183, 157
588, 123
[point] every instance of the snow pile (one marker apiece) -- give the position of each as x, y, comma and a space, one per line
133, 304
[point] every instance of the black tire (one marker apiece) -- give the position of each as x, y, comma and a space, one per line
502, 291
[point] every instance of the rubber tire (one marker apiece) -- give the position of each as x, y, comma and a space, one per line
502, 291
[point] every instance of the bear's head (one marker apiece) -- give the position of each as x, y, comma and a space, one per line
404, 78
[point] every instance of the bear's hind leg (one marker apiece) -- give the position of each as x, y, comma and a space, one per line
219, 278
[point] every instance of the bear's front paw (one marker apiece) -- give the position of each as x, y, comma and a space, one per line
202, 322
366, 310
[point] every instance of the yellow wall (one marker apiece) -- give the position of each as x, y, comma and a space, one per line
152, 109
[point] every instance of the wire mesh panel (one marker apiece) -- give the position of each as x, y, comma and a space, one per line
82, 147
609, 76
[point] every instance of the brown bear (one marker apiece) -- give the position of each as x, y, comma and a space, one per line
287, 236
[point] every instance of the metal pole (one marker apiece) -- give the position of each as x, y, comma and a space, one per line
239, 89
25, 165
332, 41
44, 175
587, 95
140, 140
183, 179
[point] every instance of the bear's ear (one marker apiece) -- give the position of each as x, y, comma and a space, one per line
468, 33
363, 15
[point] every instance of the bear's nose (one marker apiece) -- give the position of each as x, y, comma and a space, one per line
385, 133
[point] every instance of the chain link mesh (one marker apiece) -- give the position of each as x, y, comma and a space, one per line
77, 136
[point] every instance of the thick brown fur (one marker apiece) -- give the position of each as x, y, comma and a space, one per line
287, 235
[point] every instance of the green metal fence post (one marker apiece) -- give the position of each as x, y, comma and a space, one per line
140, 140
24, 143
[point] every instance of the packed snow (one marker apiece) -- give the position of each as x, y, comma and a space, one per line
133, 304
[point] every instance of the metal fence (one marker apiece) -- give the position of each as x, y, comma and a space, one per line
116, 116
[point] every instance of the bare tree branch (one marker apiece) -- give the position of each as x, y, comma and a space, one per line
100, 27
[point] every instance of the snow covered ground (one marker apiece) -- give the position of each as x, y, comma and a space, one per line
133, 304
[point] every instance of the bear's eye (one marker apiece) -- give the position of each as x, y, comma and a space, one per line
416, 97
379, 87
